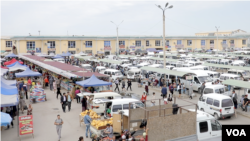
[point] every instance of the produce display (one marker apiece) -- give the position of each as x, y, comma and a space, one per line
92, 114
100, 123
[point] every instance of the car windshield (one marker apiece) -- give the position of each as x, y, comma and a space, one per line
118, 73
87, 67
205, 79
130, 73
220, 91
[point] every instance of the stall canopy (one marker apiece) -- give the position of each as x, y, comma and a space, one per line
57, 56
110, 61
28, 73
93, 81
11, 55
5, 119
237, 83
4, 67
11, 65
9, 95
17, 67
66, 54
12, 61
226, 66
8, 82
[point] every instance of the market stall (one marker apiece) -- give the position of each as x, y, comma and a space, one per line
18, 67
9, 95
12, 61
37, 94
99, 85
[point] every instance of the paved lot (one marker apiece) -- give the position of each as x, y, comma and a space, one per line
45, 115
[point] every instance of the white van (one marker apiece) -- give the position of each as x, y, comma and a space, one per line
156, 65
218, 89
100, 107
200, 67
115, 73
134, 73
59, 60
207, 127
238, 63
226, 76
194, 63
100, 68
241, 73
87, 66
118, 104
219, 105
111, 57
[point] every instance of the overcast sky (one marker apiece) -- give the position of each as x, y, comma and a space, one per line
140, 18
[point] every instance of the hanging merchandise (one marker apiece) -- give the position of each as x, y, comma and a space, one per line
37, 93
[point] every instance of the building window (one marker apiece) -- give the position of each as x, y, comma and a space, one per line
121, 42
52, 44
178, 42
88, 44
167, 43
71, 44
147, 43
224, 41
106, 44
189, 42
244, 42
31, 45
157, 43
211, 42
202, 42
138, 43
232, 42
72, 52
8, 43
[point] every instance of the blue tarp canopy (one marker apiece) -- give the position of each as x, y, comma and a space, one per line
9, 95
57, 56
5, 119
11, 65
66, 54
8, 82
93, 81
11, 55
151, 49
18, 67
27, 73
209, 50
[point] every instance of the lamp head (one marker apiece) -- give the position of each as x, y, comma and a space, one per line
166, 4
170, 7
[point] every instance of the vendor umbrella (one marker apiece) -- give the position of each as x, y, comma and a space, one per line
4, 67
27, 73
5, 119
93, 81
11, 55
11, 65
12, 61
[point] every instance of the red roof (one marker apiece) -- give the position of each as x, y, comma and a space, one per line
89, 74
56, 64
12, 61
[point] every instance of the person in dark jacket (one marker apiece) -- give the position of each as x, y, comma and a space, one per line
164, 91
129, 84
63, 101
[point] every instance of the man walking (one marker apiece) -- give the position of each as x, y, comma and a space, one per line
70, 99
202, 89
234, 98
58, 123
129, 84
164, 91
116, 84
245, 103
87, 122
63, 101
51, 80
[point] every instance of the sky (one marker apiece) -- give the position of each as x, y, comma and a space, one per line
139, 17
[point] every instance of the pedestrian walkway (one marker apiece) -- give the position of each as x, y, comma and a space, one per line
243, 113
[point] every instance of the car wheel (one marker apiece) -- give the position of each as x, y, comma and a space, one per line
216, 116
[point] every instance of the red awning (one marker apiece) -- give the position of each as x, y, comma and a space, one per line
4, 67
12, 61
89, 74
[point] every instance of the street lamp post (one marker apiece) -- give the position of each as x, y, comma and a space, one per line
164, 48
117, 42
217, 37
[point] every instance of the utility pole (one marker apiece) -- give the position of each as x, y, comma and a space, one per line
164, 47
117, 42
217, 38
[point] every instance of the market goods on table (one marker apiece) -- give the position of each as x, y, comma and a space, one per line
37, 93
93, 115
102, 124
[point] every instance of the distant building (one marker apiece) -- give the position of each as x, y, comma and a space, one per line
107, 44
